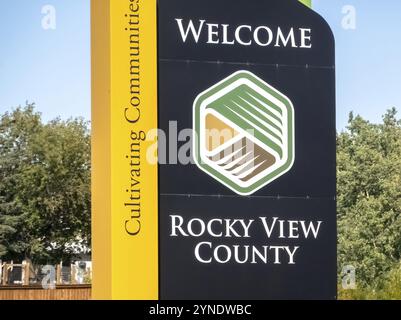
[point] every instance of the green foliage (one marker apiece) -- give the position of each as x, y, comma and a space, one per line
369, 198
388, 288
44, 186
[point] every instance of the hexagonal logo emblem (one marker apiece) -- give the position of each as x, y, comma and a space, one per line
244, 133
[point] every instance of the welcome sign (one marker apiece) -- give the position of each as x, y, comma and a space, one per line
214, 150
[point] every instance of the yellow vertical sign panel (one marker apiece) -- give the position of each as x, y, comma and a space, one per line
125, 194
101, 182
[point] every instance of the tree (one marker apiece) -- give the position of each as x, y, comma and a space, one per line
44, 187
369, 196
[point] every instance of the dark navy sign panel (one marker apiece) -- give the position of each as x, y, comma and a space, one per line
312, 277
306, 193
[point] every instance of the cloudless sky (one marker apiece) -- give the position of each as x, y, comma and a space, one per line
48, 67
52, 67
368, 58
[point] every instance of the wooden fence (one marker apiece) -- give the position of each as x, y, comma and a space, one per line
61, 292
26, 274
24, 282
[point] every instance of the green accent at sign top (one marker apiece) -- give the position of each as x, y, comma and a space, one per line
307, 3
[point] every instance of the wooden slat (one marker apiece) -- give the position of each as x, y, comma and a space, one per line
76, 292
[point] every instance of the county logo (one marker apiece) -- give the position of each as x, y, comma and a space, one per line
244, 133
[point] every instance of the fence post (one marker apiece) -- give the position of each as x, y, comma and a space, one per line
28, 273
73, 274
5, 274
58, 273
26, 268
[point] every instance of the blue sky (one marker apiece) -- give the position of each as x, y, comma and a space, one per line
368, 58
52, 67
48, 67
